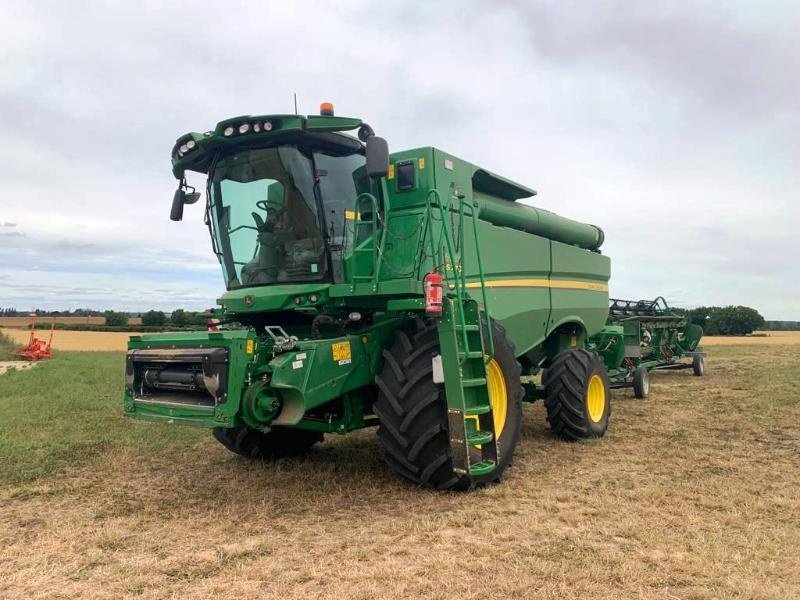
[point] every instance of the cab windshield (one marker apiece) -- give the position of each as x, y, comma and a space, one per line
278, 215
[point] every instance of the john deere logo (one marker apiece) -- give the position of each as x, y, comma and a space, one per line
248, 300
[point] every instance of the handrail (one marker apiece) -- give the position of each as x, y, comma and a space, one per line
377, 257
446, 243
481, 276
460, 280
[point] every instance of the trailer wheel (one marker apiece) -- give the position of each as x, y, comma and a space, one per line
412, 409
577, 395
641, 383
278, 443
699, 366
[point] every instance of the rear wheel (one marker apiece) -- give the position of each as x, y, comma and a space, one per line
699, 366
412, 409
278, 443
577, 395
641, 383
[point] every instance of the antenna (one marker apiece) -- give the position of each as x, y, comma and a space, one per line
295, 103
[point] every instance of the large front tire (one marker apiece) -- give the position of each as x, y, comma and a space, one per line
412, 409
257, 445
577, 395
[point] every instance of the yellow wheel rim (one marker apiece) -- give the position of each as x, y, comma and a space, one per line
498, 395
596, 398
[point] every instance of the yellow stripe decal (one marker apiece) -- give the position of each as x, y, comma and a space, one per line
565, 284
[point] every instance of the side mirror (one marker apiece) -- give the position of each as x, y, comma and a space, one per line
377, 157
176, 213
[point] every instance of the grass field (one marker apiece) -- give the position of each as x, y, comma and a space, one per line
693, 493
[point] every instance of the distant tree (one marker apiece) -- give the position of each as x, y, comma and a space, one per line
179, 318
727, 320
183, 318
782, 325
699, 315
115, 319
154, 318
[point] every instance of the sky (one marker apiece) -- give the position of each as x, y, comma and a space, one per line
675, 126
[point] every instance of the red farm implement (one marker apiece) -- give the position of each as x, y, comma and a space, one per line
36, 349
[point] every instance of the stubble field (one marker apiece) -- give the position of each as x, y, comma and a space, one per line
693, 493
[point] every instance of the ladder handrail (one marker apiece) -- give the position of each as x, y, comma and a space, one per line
377, 249
481, 276
445, 233
460, 281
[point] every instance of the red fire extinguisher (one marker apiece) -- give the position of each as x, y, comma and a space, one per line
433, 294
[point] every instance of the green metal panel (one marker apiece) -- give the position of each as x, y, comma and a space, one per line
579, 287
263, 298
224, 414
313, 373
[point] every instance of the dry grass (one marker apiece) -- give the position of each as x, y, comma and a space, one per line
92, 341
767, 338
694, 493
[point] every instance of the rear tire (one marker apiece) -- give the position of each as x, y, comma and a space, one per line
641, 383
412, 410
257, 445
699, 366
577, 395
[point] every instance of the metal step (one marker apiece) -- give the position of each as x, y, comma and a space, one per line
470, 354
481, 468
479, 438
474, 382
474, 411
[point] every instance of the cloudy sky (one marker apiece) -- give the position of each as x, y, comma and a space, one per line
673, 125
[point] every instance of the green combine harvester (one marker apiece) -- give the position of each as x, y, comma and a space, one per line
410, 291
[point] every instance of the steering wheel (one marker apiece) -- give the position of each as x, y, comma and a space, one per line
273, 212
267, 206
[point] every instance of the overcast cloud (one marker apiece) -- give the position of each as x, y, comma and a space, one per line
672, 125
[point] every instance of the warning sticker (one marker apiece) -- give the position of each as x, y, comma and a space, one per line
341, 352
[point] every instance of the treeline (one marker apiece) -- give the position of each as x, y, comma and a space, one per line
116, 319
158, 318
725, 320
782, 326
78, 312
177, 318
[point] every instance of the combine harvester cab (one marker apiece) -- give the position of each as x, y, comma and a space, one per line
411, 291
646, 335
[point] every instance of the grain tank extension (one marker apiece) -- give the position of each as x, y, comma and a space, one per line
409, 291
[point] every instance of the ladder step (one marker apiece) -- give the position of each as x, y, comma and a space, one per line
467, 327
479, 438
481, 468
474, 382
474, 411
471, 354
